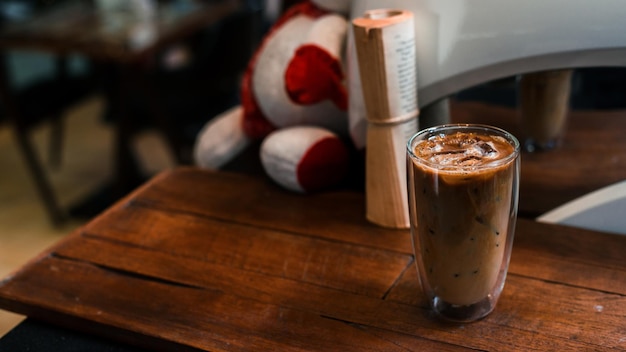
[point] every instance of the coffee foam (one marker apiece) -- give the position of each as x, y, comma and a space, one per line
463, 150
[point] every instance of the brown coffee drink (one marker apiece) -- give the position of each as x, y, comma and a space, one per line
463, 184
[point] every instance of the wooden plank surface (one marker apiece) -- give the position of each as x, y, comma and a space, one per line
205, 261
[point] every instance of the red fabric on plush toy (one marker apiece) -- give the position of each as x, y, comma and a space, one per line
296, 78
313, 75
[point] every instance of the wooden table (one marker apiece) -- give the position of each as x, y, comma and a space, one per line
214, 261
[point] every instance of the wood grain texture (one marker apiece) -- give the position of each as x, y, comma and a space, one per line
212, 261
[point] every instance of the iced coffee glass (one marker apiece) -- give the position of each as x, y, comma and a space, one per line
463, 183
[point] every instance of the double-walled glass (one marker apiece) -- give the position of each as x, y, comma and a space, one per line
463, 183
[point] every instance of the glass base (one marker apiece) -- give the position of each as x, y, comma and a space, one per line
463, 314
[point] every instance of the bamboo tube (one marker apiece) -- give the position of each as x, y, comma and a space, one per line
385, 45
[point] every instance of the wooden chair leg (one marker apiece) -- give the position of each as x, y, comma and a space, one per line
56, 134
44, 187
55, 150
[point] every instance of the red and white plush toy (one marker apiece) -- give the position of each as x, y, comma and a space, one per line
294, 98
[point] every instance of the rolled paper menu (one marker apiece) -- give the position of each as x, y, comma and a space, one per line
385, 46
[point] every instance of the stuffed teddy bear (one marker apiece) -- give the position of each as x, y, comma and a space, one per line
293, 99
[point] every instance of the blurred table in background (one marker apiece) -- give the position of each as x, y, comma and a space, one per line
121, 39
122, 34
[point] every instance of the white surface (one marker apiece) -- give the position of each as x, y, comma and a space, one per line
464, 43
221, 139
603, 210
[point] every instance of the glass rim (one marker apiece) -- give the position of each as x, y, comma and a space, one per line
474, 126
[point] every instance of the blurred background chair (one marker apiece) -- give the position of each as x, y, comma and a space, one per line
35, 90
174, 91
